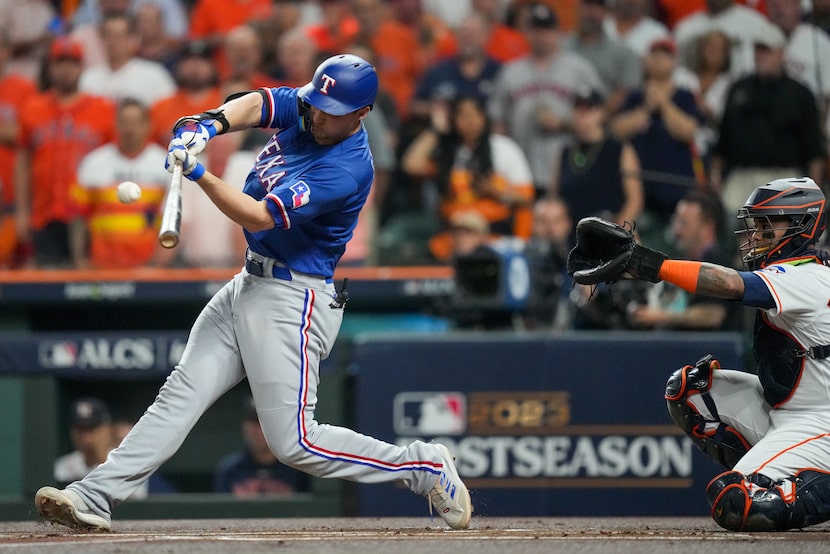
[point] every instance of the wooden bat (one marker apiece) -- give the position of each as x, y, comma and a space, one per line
171, 217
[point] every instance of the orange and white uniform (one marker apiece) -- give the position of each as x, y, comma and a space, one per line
121, 235
57, 137
14, 91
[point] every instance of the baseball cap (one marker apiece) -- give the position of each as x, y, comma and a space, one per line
665, 44
772, 37
89, 412
64, 48
588, 97
542, 16
469, 221
197, 49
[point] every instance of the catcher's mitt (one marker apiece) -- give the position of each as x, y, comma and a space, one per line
601, 252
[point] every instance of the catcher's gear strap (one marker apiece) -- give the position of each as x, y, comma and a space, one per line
682, 273
205, 118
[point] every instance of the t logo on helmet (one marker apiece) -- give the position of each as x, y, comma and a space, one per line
327, 80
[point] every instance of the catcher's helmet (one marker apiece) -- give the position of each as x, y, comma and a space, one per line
800, 201
341, 84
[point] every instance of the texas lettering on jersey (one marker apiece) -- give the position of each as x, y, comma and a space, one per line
269, 165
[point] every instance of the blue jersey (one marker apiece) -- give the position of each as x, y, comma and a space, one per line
314, 192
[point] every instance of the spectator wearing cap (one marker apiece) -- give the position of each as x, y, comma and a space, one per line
47, 160
91, 436
597, 174
196, 90
661, 120
469, 230
631, 24
254, 470
740, 22
93, 433
758, 144
125, 75
532, 98
618, 65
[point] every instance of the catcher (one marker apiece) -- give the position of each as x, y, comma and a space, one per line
770, 429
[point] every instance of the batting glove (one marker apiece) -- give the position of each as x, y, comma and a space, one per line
177, 151
194, 134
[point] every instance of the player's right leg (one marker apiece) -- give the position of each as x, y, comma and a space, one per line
756, 503
722, 411
210, 366
282, 358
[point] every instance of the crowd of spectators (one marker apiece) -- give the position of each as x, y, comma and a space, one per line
620, 108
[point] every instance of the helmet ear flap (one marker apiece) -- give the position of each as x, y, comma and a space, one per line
304, 109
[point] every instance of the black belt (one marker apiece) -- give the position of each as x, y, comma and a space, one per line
258, 265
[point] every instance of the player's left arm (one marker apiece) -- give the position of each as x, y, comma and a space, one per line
718, 281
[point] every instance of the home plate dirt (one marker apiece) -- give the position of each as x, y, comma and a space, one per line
411, 535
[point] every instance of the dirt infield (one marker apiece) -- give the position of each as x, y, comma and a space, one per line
410, 535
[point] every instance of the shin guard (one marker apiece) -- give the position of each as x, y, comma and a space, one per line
719, 441
755, 503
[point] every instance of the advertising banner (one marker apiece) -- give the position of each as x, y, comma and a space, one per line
548, 426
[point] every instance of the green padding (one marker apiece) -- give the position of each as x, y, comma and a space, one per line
11, 435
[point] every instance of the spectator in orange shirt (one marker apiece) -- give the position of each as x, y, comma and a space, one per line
15, 89
212, 20
399, 60
337, 28
57, 128
106, 233
434, 35
197, 90
504, 43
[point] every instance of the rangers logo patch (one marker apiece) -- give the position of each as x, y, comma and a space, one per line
301, 195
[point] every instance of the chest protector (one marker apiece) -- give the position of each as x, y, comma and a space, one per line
779, 358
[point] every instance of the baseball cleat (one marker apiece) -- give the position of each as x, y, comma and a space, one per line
65, 507
450, 496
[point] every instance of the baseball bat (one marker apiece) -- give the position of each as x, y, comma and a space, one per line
171, 217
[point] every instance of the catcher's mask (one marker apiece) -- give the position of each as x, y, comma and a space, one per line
798, 201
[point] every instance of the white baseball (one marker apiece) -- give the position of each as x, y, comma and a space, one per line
128, 192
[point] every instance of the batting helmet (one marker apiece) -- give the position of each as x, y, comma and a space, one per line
800, 201
341, 84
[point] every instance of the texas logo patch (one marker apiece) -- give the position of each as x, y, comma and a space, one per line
301, 194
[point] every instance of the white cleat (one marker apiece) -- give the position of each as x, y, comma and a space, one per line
65, 507
450, 496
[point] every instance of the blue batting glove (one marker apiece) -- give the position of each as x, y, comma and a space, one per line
194, 134
191, 168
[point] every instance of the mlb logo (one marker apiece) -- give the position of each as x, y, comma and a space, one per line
430, 413
54, 354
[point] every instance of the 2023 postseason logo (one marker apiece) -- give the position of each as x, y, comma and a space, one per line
527, 439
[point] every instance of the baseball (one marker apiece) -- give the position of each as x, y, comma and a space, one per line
128, 192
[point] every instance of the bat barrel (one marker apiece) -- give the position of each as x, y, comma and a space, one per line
171, 218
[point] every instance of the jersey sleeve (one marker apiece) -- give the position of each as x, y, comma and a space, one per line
792, 288
279, 108
320, 191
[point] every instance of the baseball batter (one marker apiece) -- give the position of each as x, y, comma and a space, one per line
278, 318
771, 429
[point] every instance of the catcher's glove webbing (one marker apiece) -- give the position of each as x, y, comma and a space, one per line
604, 251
